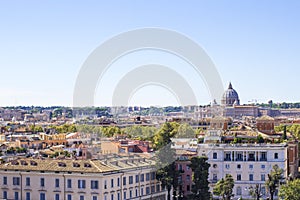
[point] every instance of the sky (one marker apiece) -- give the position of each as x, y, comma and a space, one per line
43, 45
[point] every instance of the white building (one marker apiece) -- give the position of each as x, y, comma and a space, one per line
249, 164
114, 178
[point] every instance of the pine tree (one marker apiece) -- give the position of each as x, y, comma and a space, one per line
224, 187
200, 189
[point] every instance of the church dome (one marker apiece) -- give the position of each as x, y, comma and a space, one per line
230, 97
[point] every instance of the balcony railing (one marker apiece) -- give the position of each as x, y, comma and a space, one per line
239, 159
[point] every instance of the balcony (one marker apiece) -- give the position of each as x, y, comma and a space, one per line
263, 159
227, 159
251, 159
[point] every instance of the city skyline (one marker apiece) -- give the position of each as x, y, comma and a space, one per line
252, 44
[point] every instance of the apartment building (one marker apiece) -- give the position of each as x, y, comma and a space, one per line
110, 178
249, 164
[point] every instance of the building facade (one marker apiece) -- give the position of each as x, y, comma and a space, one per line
113, 178
249, 164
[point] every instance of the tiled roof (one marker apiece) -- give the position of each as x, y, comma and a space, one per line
80, 166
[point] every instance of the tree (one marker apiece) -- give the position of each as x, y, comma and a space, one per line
140, 132
166, 176
224, 187
291, 190
260, 139
163, 135
185, 131
284, 136
165, 164
255, 191
274, 179
200, 189
166, 169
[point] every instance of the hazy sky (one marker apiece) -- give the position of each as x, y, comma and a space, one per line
43, 44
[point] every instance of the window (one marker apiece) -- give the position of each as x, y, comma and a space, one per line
69, 183
42, 196
187, 168
188, 177
124, 180
215, 177
262, 177
4, 180
215, 165
147, 190
250, 166
227, 166
152, 189
263, 166
250, 177
239, 157
16, 180
179, 167
275, 155
137, 178
119, 196
112, 197
136, 192
147, 176
157, 188
130, 194
69, 197
94, 184
188, 187
238, 191
81, 184
130, 179
152, 175
57, 182
42, 182
179, 179
27, 195
251, 157
124, 195
238, 166
238, 177
94, 198
263, 156
142, 191
227, 157
57, 197
16, 195
118, 182
105, 184
27, 181
111, 183
215, 155
4, 194
142, 177
263, 190
81, 197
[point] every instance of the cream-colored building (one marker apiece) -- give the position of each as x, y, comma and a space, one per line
112, 178
249, 164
